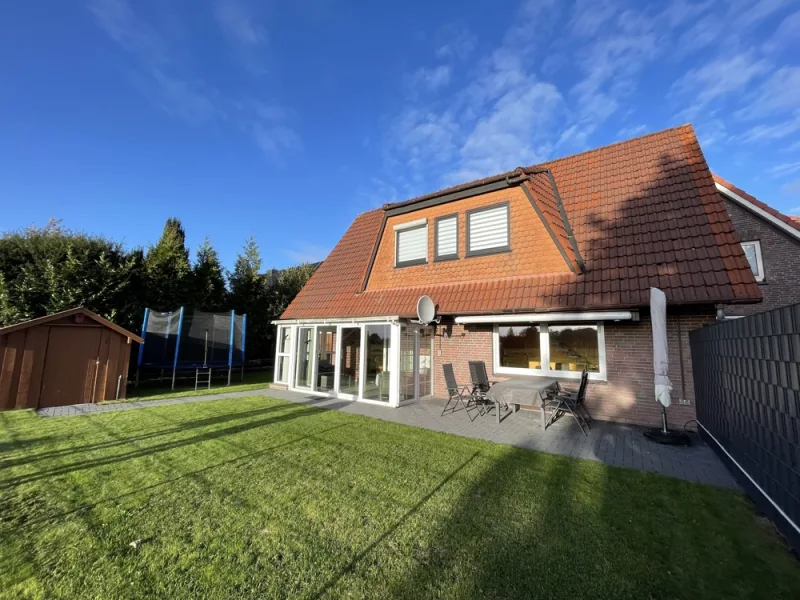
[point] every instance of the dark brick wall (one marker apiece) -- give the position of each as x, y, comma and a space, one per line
748, 386
627, 395
781, 256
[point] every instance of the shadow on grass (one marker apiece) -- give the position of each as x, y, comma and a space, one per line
293, 413
181, 427
188, 475
416, 507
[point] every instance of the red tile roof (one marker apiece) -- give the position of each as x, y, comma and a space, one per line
644, 212
790, 220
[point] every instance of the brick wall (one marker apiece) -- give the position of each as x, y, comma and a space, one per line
781, 256
627, 395
532, 249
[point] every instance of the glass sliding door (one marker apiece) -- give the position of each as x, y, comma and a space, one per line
416, 363
425, 368
376, 384
284, 347
305, 352
326, 358
350, 361
408, 344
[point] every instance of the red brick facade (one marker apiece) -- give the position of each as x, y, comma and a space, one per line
626, 395
781, 257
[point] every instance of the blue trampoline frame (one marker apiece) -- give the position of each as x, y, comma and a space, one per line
177, 364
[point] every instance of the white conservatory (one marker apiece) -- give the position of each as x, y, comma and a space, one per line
382, 360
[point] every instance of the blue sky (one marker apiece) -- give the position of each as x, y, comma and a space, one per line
285, 120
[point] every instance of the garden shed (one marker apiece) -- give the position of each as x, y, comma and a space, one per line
70, 357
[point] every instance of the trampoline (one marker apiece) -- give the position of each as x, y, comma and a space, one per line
197, 340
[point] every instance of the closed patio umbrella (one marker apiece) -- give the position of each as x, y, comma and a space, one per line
663, 386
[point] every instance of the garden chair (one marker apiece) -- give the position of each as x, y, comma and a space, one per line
571, 402
458, 393
480, 381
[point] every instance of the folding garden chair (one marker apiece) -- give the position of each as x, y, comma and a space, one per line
572, 403
480, 381
458, 393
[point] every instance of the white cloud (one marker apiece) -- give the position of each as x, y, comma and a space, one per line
238, 22
779, 93
774, 131
430, 79
168, 82
631, 131
784, 169
588, 16
785, 35
718, 78
306, 252
455, 42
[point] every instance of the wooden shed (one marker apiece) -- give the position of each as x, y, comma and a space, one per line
71, 357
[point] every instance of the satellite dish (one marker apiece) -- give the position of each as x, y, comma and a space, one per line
426, 310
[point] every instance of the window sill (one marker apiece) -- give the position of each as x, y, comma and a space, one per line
488, 252
413, 263
445, 258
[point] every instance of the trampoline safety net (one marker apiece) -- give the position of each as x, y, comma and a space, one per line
186, 339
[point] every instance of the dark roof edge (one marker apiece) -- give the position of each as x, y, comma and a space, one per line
573, 242
547, 227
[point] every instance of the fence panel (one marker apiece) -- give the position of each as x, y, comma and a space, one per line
747, 390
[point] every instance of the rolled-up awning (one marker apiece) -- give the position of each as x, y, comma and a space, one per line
553, 317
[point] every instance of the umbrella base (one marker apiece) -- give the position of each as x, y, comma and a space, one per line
671, 438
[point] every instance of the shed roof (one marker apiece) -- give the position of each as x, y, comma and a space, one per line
68, 313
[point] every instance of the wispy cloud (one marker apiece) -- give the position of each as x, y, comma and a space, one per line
772, 131
784, 169
718, 78
430, 78
777, 94
169, 84
455, 41
631, 131
237, 21
306, 252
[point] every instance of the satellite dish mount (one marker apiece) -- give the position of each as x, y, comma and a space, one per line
426, 311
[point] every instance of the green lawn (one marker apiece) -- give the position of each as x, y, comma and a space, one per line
257, 498
161, 390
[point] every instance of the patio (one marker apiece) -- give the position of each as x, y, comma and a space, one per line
613, 444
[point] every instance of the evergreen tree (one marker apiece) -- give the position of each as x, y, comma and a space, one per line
248, 296
209, 280
167, 269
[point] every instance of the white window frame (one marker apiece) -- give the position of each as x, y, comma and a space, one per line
287, 354
469, 252
544, 344
759, 261
418, 224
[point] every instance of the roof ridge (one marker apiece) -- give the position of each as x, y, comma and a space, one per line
612, 145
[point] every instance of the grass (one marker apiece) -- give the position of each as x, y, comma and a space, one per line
161, 390
257, 498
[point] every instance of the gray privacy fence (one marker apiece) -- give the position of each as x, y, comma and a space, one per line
747, 390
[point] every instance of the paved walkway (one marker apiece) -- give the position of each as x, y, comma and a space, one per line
610, 443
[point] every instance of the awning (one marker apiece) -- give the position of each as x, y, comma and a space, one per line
553, 317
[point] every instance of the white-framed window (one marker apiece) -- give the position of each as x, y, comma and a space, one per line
752, 250
446, 238
553, 349
411, 243
488, 230
282, 354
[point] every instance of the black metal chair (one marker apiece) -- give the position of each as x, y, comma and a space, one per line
480, 381
458, 393
571, 402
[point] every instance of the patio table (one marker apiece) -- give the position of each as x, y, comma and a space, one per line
526, 391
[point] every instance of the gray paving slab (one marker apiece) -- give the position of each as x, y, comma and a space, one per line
610, 443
